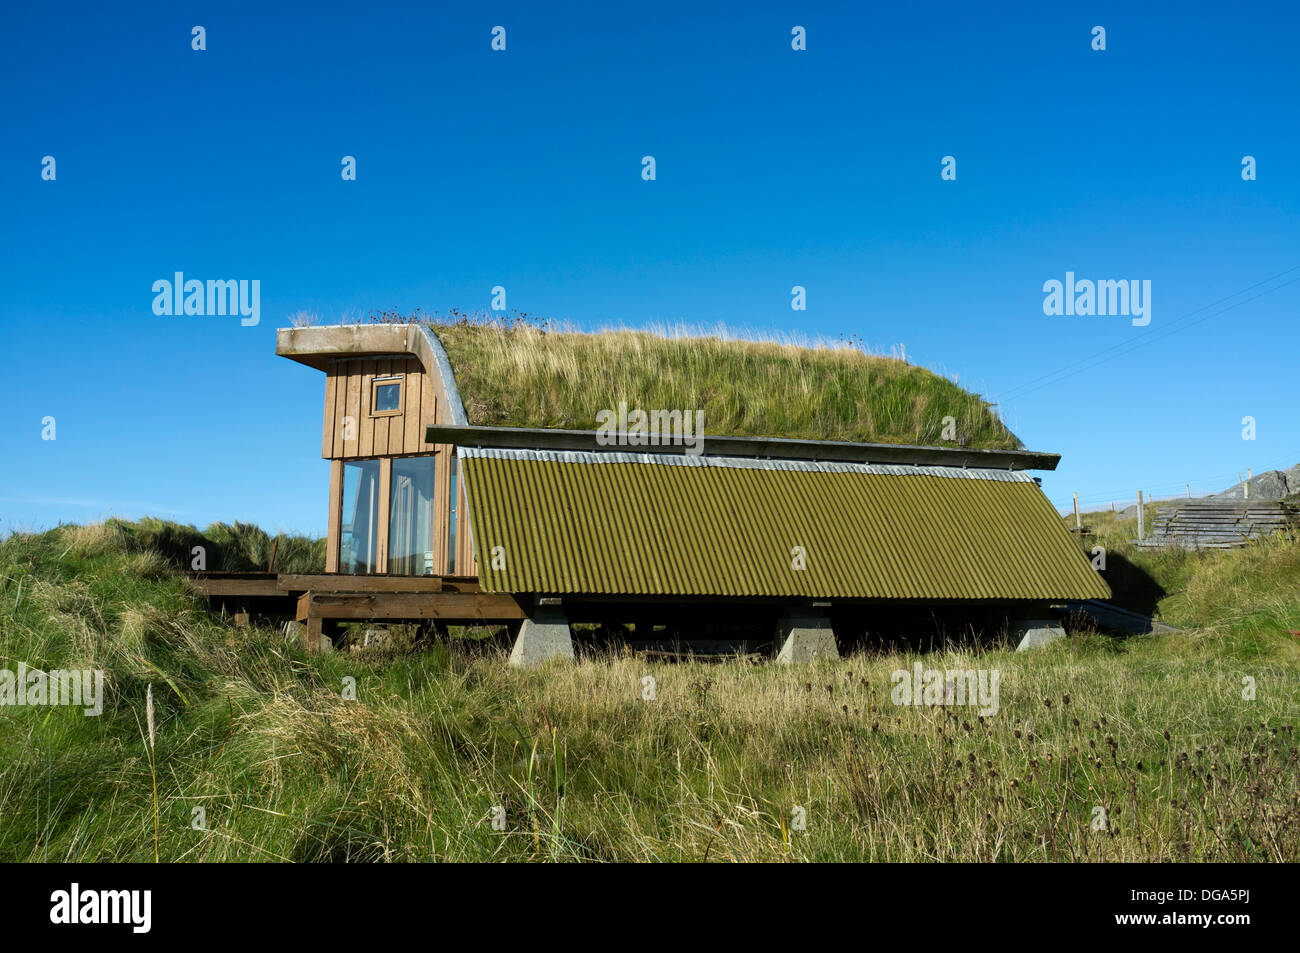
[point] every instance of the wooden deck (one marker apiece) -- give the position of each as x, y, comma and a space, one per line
236, 584
324, 599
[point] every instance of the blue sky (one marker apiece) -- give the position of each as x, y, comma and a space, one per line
522, 168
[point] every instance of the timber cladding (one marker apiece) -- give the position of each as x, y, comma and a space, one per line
355, 429
352, 427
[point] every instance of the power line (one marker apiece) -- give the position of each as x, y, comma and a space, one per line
1152, 340
1123, 495
1126, 347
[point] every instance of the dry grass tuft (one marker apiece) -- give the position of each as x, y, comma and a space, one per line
93, 539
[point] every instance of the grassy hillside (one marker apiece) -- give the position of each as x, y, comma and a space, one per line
1154, 731
1254, 590
524, 376
155, 545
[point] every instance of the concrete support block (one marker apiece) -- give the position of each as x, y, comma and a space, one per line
542, 638
1035, 632
376, 639
805, 637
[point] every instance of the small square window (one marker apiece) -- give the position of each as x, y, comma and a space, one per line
386, 397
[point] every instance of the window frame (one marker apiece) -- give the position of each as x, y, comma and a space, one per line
376, 536
387, 381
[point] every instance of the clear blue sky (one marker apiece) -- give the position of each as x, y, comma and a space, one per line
775, 168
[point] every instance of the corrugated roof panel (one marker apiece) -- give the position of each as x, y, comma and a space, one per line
637, 524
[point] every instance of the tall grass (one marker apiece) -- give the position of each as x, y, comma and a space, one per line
1154, 731
226, 547
528, 373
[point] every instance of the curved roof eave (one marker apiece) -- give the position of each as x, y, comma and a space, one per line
314, 346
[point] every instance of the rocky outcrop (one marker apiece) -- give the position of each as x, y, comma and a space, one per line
1272, 485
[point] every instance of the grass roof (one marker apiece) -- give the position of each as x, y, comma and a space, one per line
523, 376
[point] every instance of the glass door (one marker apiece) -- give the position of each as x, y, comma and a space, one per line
359, 532
411, 517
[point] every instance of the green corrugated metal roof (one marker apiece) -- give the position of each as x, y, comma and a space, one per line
638, 524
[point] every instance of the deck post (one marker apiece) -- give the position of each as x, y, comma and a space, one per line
543, 636
312, 635
805, 635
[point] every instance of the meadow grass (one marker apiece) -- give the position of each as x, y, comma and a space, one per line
1154, 731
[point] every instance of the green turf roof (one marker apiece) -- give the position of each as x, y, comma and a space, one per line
524, 377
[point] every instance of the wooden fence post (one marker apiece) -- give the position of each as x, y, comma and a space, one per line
1141, 518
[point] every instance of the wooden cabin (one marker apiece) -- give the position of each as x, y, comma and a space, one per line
794, 530
394, 496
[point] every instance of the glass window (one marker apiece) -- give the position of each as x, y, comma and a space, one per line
386, 397
359, 532
411, 517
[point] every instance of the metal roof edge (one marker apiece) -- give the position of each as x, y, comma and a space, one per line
585, 457
440, 358
779, 448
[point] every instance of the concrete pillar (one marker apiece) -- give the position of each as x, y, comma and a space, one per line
295, 632
1035, 632
805, 636
541, 638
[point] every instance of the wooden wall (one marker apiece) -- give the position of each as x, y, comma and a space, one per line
347, 394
